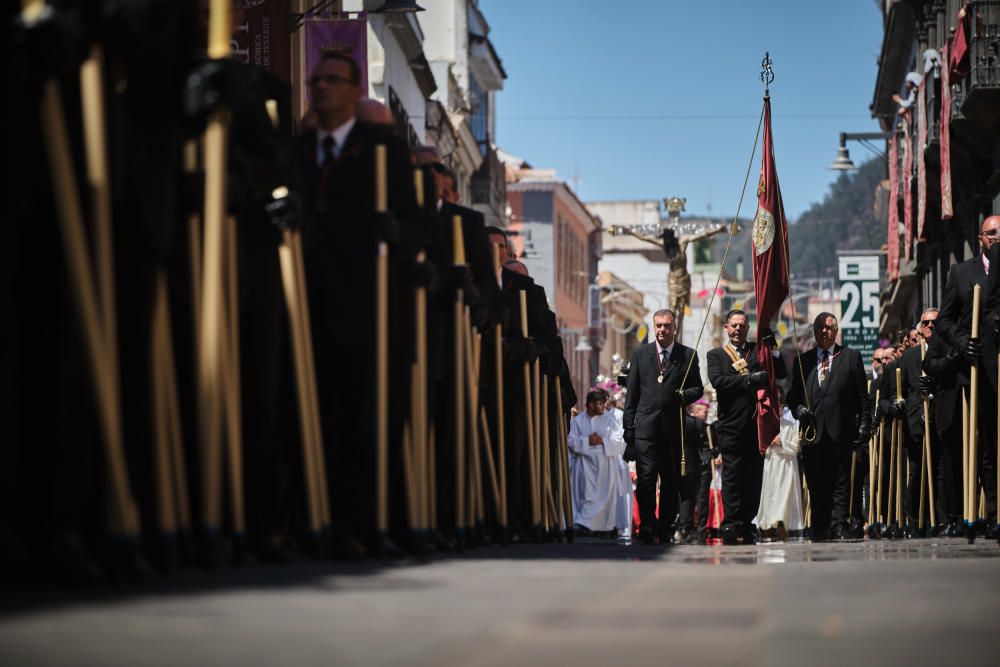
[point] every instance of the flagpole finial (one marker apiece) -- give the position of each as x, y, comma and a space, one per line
766, 73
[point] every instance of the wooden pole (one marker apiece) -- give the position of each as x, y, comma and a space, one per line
965, 457
546, 455
872, 453
472, 405
381, 353
458, 248
234, 407
301, 384
529, 417
501, 435
899, 453
166, 503
210, 335
564, 449
316, 451
176, 436
928, 463
973, 421
124, 519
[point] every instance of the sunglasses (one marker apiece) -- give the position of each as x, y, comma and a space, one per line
328, 78
992, 233
925, 323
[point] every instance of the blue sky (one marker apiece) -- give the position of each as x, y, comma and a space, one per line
655, 98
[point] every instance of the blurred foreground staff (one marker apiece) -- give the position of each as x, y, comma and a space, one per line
341, 234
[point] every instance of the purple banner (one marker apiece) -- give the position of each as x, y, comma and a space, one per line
338, 33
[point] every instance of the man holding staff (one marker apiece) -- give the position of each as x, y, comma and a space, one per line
954, 326
663, 379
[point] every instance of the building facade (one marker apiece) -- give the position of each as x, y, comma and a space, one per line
934, 221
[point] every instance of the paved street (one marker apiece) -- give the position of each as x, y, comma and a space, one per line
924, 602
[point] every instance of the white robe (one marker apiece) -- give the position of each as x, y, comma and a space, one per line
599, 478
781, 490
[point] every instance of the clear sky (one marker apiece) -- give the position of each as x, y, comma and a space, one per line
653, 98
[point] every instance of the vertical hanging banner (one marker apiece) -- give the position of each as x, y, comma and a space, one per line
946, 209
346, 33
921, 162
906, 179
892, 233
770, 277
261, 35
859, 290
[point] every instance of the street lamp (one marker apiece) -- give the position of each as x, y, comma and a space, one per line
843, 160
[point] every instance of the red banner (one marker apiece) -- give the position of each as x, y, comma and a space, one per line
892, 233
262, 37
770, 278
921, 162
907, 183
946, 209
958, 59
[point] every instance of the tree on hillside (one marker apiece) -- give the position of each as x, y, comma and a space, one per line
844, 220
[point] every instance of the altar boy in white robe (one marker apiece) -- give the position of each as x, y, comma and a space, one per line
601, 495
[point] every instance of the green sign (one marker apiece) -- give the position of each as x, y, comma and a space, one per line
859, 291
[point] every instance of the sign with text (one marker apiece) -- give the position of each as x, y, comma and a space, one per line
859, 292
347, 33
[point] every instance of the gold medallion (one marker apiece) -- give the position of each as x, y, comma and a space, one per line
660, 378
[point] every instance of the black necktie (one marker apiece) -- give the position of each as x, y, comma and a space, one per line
328, 145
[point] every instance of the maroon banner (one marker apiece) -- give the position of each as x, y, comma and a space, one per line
921, 162
345, 33
261, 35
958, 59
892, 233
770, 278
907, 183
946, 209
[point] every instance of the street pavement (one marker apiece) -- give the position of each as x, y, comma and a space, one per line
594, 602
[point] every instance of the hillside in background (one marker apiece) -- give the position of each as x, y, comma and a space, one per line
844, 220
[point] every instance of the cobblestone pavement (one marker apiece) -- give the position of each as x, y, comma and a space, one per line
919, 602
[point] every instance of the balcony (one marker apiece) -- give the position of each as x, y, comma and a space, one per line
981, 89
932, 99
489, 189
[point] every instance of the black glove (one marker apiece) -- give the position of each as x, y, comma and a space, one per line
679, 393
767, 339
758, 379
864, 435
420, 274
521, 349
974, 350
386, 227
629, 437
926, 383
803, 413
898, 408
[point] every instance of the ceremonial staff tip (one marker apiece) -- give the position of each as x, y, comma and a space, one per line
766, 73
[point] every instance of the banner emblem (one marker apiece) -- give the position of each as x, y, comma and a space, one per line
763, 231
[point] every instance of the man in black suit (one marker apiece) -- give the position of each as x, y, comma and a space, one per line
910, 409
955, 328
834, 401
942, 364
697, 462
736, 375
340, 241
663, 378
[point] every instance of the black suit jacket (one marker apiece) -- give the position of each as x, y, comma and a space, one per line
340, 233
909, 366
651, 407
954, 323
737, 400
943, 364
841, 404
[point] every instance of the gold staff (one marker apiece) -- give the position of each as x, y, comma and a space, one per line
971, 483
529, 413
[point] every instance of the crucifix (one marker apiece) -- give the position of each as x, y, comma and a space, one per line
673, 237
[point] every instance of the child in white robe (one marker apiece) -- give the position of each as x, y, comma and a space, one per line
781, 491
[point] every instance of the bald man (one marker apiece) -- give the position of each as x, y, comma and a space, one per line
954, 326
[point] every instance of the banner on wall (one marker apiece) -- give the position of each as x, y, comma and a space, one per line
261, 36
347, 33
